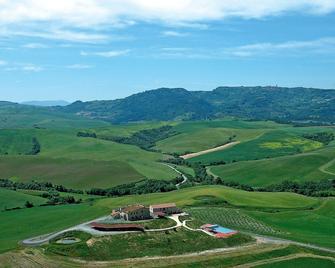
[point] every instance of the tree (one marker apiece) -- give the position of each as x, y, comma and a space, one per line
28, 204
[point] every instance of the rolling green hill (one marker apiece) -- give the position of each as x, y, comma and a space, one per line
82, 162
12, 199
13, 115
301, 167
271, 144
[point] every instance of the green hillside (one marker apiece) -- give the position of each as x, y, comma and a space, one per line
12, 199
262, 103
198, 136
271, 144
13, 115
15, 142
81, 162
301, 167
314, 226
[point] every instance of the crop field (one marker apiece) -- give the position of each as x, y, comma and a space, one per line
232, 218
12, 199
301, 167
271, 144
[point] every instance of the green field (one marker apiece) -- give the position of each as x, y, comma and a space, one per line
271, 144
306, 262
310, 226
83, 162
12, 199
238, 198
302, 167
25, 223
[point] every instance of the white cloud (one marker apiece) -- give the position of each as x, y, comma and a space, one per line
2, 62
322, 45
106, 54
79, 66
290, 48
88, 13
34, 45
174, 34
26, 67
31, 68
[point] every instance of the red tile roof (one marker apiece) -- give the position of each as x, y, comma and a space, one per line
132, 208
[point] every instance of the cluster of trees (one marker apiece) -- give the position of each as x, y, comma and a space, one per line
55, 198
142, 187
324, 137
86, 134
36, 147
145, 139
35, 185
322, 188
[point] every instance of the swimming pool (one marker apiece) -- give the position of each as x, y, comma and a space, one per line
220, 229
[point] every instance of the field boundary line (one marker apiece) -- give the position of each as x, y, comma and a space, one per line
284, 258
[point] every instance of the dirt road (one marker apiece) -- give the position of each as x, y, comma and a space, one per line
219, 148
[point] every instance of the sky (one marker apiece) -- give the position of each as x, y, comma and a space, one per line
107, 49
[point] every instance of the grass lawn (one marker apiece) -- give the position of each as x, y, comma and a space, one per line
302, 167
25, 223
306, 262
134, 245
11, 199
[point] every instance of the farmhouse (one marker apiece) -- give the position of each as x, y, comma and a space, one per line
132, 213
163, 209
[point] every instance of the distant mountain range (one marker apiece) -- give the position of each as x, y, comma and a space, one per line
275, 103
47, 103
163, 104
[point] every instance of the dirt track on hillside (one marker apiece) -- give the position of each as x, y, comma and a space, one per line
219, 148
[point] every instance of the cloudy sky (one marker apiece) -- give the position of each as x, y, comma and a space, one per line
107, 49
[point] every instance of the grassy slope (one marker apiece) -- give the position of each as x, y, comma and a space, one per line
235, 197
12, 199
301, 167
137, 245
272, 144
310, 226
24, 223
84, 162
197, 136
14, 142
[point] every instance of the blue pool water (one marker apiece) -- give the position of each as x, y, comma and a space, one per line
220, 229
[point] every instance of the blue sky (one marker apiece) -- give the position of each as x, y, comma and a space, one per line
90, 49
